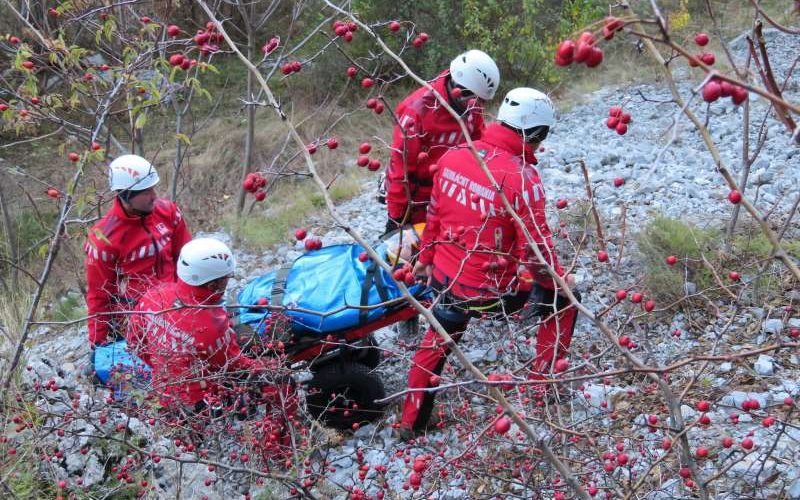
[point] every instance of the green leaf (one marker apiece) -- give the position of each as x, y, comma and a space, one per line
183, 138
101, 236
141, 120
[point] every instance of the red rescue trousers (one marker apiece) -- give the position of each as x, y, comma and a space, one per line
553, 338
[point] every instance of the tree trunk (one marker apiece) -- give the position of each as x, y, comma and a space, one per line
251, 118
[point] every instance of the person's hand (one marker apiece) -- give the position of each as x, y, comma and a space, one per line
423, 272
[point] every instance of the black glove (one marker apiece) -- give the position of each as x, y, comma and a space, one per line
392, 225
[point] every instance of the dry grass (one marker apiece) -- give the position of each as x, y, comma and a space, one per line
14, 305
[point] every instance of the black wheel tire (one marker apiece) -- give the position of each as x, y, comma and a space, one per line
353, 384
369, 355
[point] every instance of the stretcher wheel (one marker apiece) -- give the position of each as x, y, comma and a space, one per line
342, 394
370, 355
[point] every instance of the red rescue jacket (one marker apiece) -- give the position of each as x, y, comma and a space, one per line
190, 350
425, 131
126, 255
469, 238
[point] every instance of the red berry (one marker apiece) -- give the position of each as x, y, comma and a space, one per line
649, 305
734, 276
708, 58
726, 88
363, 257
561, 204
621, 128
311, 148
300, 234
618, 181
351, 71
73, 157
367, 82
365, 148
394, 26
703, 406
734, 197
701, 39
260, 196
374, 164
145, 19
768, 421
502, 425
582, 52
666, 443
701, 452
672, 260
747, 443
636, 297
332, 143
173, 30
13, 40
612, 122
176, 59
561, 365
727, 442
27, 65
566, 52
602, 256
739, 94
362, 161
622, 294
625, 117
615, 111
711, 91
595, 57
53, 193
423, 36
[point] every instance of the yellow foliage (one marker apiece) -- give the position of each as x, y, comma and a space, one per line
680, 18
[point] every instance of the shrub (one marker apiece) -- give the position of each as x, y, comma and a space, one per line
699, 249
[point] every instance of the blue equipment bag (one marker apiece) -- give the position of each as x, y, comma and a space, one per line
328, 282
114, 359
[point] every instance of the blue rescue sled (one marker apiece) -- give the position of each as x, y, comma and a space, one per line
115, 366
333, 288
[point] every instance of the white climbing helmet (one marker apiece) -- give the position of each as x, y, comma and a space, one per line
525, 109
203, 260
477, 72
131, 172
